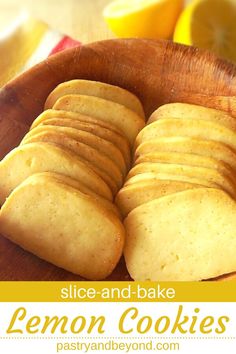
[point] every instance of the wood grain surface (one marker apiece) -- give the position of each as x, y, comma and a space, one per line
157, 72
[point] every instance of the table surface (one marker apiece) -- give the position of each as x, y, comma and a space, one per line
81, 19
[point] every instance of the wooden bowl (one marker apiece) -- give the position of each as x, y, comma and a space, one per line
158, 72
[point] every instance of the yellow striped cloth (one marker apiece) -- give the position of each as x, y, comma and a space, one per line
26, 42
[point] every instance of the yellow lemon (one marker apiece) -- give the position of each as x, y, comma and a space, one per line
143, 18
209, 24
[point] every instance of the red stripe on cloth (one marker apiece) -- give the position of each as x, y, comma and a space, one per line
65, 43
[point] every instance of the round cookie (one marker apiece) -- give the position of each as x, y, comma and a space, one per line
97, 89
129, 122
64, 226
32, 158
133, 195
190, 111
183, 170
187, 236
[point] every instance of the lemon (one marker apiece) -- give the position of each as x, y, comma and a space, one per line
209, 24
143, 18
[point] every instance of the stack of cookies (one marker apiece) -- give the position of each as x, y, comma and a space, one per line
179, 197
57, 187
67, 188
